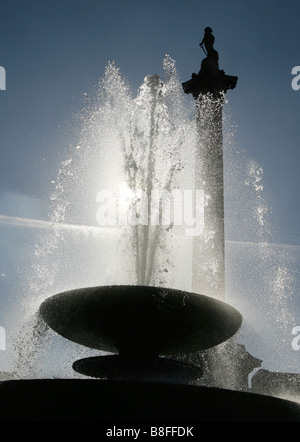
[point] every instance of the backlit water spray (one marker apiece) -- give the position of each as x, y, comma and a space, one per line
130, 147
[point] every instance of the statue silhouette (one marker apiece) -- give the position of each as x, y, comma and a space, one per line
210, 79
208, 41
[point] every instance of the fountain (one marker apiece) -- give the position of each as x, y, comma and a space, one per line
140, 323
145, 328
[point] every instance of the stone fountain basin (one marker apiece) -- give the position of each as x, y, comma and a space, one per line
118, 403
140, 320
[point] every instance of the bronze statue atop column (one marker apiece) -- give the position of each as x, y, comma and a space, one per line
210, 79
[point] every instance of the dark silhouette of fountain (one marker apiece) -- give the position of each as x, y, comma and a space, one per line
141, 324
144, 327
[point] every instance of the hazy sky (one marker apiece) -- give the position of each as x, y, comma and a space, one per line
53, 51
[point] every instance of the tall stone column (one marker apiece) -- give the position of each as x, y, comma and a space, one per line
208, 88
209, 248
226, 365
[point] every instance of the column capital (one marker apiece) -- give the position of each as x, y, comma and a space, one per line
205, 82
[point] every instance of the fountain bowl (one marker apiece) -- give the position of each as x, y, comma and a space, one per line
140, 320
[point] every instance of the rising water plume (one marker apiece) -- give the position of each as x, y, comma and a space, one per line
128, 146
